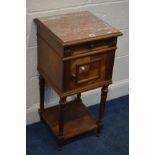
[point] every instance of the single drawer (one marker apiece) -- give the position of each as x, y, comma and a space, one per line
89, 46
84, 71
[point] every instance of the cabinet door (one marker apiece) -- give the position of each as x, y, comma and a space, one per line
84, 71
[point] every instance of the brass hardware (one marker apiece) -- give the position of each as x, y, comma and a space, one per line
82, 68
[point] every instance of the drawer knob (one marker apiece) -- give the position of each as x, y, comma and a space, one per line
91, 46
68, 51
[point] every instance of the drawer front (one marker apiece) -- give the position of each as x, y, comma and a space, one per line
84, 71
89, 46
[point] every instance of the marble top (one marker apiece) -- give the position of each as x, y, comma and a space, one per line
77, 26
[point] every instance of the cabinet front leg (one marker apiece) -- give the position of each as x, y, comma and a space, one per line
42, 89
62, 104
104, 92
78, 99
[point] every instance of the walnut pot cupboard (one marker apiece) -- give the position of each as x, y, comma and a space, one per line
76, 53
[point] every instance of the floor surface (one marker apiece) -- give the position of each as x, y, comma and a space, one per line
113, 139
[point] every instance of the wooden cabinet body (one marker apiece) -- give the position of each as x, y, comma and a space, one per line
75, 53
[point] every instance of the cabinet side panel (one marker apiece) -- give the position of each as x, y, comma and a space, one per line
50, 63
50, 39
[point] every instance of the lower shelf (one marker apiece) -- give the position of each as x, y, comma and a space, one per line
77, 119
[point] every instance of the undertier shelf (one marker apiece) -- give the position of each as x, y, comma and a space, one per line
77, 119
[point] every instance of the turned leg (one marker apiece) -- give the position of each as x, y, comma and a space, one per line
79, 98
42, 88
104, 92
62, 104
